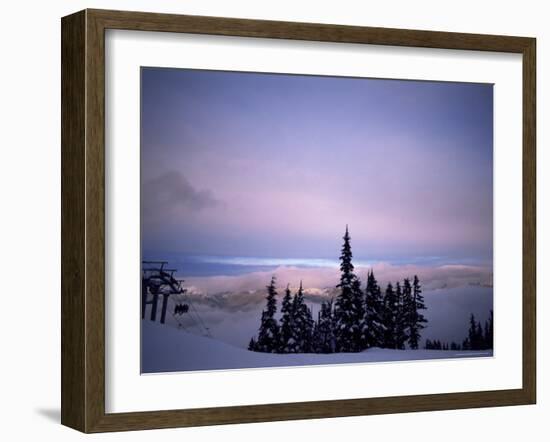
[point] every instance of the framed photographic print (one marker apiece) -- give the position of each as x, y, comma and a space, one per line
270, 220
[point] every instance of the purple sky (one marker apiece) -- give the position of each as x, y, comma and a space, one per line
262, 165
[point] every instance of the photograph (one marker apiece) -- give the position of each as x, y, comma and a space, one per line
299, 220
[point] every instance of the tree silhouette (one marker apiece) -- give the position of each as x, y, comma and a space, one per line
401, 317
252, 345
268, 336
389, 317
325, 341
374, 311
349, 310
355, 321
477, 338
417, 319
286, 343
302, 324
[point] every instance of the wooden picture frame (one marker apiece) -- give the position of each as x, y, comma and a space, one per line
83, 220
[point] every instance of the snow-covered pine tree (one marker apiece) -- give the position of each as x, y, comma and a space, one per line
388, 318
417, 319
401, 319
286, 342
308, 326
302, 324
408, 309
294, 344
350, 330
361, 332
268, 335
316, 338
374, 312
325, 340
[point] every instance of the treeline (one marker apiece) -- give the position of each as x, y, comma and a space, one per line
438, 345
358, 319
479, 337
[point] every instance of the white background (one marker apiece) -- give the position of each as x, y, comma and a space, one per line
30, 234
128, 391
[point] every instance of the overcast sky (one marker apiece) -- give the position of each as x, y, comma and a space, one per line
261, 165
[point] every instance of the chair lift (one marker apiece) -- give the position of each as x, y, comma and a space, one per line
158, 281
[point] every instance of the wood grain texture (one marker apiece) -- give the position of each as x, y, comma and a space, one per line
144, 21
529, 221
73, 128
83, 220
95, 222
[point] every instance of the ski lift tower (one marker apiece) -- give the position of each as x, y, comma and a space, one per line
156, 281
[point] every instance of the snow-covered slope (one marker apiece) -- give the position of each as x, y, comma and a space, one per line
166, 349
234, 317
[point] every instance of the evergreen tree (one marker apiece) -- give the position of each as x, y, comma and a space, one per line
268, 336
408, 309
349, 311
486, 336
416, 319
308, 330
472, 332
475, 334
479, 334
401, 318
316, 338
287, 343
360, 329
302, 324
374, 312
325, 339
389, 316
479, 338
252, 345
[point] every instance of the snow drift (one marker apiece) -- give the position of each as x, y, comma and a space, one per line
167, 349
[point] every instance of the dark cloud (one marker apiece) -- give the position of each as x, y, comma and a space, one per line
171, 193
